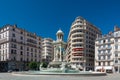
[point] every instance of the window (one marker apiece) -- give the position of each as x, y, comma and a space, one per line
116, 40
27, 53
21, 53
99, 52
12, 51
36, 50
99, 63
13, 35
21, 47
103, 52
21, 38
116, 55
109, 46
99, 41
108, 51
27, 59
27, 48
116, 46
108, 40
14, 58
3, 51
109, 57
116, 34
103, 41
13, 29
31, 54
108, 63
103, 57
99, 58
103, 63
21, 59
31, 49
116, 61
21, 32
15, 52
13, 46
35, 55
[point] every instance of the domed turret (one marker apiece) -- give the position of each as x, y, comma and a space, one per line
59, 35
59, 32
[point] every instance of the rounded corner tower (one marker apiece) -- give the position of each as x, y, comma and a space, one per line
80, 47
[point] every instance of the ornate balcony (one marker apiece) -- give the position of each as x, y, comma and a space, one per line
104, 60
101, 54
3, 40
99, 44
106, 48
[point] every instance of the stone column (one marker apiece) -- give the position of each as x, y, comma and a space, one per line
54, 54
57, 54
60, 53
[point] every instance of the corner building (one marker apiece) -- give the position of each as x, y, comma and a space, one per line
18, 47
81, 44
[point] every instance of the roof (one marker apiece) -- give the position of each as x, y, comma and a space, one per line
59, 32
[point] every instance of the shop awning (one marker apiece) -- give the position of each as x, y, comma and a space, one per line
98, 67
104, 67
108, 67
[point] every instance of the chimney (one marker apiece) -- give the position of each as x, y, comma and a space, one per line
34, 33
116, 28
110, 32
15, 25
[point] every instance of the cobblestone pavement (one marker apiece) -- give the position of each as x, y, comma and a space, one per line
10, 76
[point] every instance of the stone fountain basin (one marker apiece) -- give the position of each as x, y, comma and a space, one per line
81, 73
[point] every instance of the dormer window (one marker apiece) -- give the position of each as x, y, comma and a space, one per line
103, 41
13, 29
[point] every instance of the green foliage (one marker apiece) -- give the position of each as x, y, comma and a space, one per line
33, 65
44, 64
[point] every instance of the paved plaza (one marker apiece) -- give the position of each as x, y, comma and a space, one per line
10, 76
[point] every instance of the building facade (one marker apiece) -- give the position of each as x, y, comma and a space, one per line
104, 48
17, 48
107, 52
81, 44
47, 50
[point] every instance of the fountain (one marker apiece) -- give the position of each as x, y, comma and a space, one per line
64, 68
59, 66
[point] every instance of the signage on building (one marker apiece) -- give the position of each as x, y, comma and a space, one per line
77, 54
77, 49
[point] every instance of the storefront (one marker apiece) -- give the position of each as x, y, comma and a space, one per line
108, 69
117, 69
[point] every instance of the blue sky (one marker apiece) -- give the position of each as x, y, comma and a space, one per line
45, 17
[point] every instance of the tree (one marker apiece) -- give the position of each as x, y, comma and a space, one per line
33, 65
44, 64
